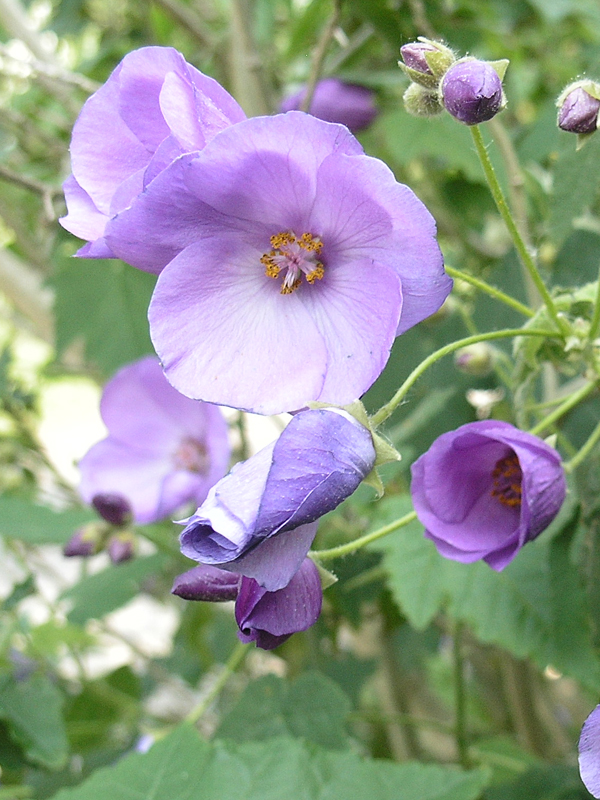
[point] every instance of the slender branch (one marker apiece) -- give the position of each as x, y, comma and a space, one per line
388, 409
188, 20
52, 70
319, 55
460, 699
565, 406
42, 189
502, 206
362, 541
595, 323
249, 85
584, 452
234, 661
497, 294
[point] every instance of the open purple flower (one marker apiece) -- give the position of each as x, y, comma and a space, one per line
286, 251
260, 520
336, 101
163, 449
589, 753
153, 107
486, 489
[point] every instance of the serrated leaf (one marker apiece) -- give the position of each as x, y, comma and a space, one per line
35, 524
110, 589
33, 711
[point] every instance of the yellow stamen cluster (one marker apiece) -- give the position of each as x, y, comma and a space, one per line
280, 242
507, 477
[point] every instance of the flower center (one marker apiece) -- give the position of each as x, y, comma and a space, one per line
296, 255
507, 477
191, 455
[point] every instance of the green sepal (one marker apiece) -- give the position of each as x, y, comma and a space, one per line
582, 139
500, 67
422, 78
327, 577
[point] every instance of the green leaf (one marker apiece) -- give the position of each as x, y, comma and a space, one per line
110, 589
313, 707
104, 303
33, 711
183, 767
35, 524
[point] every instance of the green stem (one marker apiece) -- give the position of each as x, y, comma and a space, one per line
595, 324
565, 406
233, 662
491, 291
584, 452
460, 699
388, 409
506, 215
356, 544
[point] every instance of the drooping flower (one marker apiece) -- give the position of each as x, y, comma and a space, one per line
336, 101
286, 251
472, 91
486, 489
579, 107
162, 449
260, 520
267, 618
153, 107
589, 753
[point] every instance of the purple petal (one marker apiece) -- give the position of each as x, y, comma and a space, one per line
207, 583
589, 753
83, 220
336, 101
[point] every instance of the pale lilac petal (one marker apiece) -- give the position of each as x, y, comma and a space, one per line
589, 753
83, 220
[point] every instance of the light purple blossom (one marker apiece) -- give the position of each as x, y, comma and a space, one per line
285, 251
162, 450
486, 489
336, 101
260, 520
153, 107
589, 753
472, 91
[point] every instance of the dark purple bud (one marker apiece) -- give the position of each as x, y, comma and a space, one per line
207, 583
121, 547
113, 508
413, 55
269, 618
336, 101
578, 111
86, 541
425, 62
472, 91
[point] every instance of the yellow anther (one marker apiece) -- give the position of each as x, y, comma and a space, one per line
317, 274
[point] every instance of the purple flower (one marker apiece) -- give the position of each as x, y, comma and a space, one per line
163, 449
269, 618
286, 251
485, 490
260, 520
472, 91
153, 107
336, 101
578, 110
589, 753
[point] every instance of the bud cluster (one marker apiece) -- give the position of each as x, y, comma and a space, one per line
110, 533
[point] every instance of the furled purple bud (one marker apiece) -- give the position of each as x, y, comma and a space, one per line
472, 91
421, 102
425, 62
113, 508
121, 547
87, 541
475, 359
589, 753
269, 618
578, 107
336, 101
486, 489
207, 583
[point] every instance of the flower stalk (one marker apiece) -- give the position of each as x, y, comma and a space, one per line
363, 541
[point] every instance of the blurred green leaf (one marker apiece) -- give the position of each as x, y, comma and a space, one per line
35, 524
575, 185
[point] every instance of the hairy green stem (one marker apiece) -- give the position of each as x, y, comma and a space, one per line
497, 294
319, 55
565, 406
584, 451
502, 206
388, 409
233, 662
362, 541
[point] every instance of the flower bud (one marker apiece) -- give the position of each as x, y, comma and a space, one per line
578, 107
472, 91
87, 541
113, 508
476, 359
207, 583
421, 102
425, 61
121, 547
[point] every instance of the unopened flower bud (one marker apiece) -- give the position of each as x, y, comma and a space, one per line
472, 91
208, 583
425, 61
87, 541
475, 359
421, 102
578, 107
121, 547
113, 508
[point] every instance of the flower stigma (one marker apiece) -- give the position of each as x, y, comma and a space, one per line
507, 477
296, 254
191, 455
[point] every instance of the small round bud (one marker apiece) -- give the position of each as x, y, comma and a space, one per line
426, 61
472, 91
476, 359
121, 547
421, 102
87, 541
578, 110
113, 508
